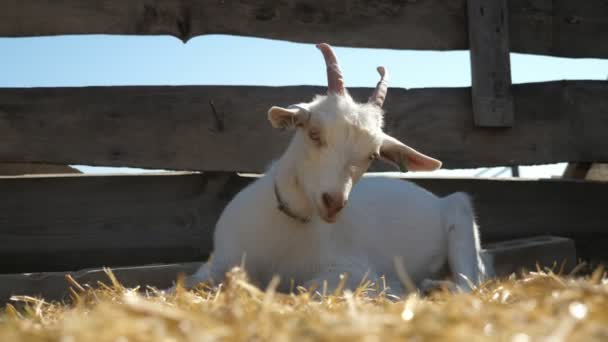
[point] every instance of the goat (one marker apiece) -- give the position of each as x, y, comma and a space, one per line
302, 222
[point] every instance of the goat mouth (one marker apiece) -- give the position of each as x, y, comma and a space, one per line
328, 218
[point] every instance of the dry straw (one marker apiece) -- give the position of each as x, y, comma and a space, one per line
538, 306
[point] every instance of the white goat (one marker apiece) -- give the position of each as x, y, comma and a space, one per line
294, 221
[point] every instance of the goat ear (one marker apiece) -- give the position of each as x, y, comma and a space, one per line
287, 117
405, 157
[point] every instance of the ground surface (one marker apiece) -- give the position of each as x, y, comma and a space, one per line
538, 306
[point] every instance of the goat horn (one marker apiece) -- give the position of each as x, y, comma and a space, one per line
380, 92
335, 81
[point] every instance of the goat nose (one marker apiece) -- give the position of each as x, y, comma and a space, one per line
333, 203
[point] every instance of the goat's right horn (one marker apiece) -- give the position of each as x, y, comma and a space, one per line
335, 81
380, 92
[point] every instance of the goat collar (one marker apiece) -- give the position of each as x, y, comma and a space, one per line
284, 208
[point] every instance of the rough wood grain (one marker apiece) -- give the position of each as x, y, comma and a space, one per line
74, 222
554, 27
68, 223
175, 127
15, 169
517, 208
490, 63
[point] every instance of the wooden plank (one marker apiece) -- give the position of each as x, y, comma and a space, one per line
74, 222
68, 223
176, 128
14, 169
516, 208
490, 63
553, 27
563, 28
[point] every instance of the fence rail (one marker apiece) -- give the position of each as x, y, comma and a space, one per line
59, 223
551, 27
178, 128
73, 222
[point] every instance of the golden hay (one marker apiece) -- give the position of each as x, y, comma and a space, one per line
539, 305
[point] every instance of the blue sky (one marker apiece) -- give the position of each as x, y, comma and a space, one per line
230, 60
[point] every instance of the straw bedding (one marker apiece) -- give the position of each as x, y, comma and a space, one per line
534, 306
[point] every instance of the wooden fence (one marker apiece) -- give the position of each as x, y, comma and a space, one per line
52, 223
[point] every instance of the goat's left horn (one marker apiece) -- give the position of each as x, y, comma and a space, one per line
335, 81
380, 92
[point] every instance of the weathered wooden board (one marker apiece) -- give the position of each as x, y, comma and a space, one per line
75, 222
16, 169
563, 28
554, 27
516, 208
68, 223
490, 63
177, 128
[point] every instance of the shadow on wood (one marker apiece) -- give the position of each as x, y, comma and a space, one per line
17, 169
74, 222
551, 27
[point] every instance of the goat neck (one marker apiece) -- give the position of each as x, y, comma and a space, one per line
290, 198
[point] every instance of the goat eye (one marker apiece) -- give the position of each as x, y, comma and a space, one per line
374, 156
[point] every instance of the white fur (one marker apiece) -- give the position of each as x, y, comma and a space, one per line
384, 219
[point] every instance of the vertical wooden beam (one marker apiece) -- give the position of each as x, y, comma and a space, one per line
515, 171
490, 63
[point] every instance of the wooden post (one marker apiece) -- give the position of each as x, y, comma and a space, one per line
515, 171
490, 63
